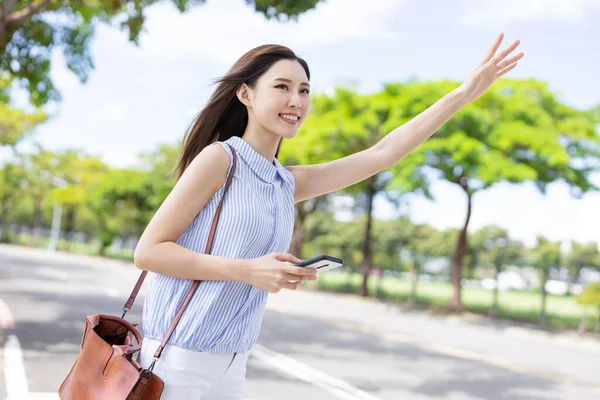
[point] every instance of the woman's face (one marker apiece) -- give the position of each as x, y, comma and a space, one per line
280, 100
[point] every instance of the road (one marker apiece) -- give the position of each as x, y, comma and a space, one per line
312, 345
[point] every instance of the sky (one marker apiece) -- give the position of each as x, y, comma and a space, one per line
139, 97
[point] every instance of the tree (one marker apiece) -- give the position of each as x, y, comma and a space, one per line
498, 250
40, 179
77, 170
545, 257
11, 176
590, 297
15, 123
31, 29
392, 237
423, 244
518, 131
582, 256
347, 123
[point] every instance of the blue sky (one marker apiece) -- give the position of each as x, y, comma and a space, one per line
138, 97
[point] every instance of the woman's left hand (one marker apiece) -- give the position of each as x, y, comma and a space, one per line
492, 67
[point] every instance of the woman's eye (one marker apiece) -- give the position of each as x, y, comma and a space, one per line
305, 91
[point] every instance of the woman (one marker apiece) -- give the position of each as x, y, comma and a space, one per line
263, 98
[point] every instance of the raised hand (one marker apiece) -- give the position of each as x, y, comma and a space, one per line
492, 67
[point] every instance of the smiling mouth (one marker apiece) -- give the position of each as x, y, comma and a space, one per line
289, 120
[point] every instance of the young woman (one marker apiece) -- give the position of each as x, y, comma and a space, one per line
263, 98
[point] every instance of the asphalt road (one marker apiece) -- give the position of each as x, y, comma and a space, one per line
312, 345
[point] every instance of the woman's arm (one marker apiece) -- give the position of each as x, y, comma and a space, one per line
318, 179
157, 250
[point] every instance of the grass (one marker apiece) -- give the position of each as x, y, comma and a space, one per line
561, 311
90, 249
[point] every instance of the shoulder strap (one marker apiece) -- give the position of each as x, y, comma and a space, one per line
195, 284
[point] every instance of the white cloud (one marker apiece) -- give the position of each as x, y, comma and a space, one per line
496, 13
201, 31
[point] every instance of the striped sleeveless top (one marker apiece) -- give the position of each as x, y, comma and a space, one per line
257, 218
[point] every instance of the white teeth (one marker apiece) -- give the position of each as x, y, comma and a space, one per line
290, 117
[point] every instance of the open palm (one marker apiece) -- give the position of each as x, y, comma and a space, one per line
492, 67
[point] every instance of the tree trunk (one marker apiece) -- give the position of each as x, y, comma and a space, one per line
36, 217
494, 310
583, 323
574, 277
2, 31
366, 242
3, 214
70, 217
545, 273
380, 284
414, 275
298, 236
303, 210
459, 253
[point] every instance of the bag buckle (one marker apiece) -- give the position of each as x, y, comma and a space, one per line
151, 367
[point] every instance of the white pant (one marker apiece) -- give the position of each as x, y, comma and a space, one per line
195, 375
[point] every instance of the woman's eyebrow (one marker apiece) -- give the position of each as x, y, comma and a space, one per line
289, 81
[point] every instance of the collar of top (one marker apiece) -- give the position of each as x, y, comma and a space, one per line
265, 170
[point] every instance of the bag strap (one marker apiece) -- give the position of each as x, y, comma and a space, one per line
192, 289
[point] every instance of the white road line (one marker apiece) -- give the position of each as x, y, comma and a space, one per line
303, 372
14, 369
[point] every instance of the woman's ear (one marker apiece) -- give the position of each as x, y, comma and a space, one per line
243, 94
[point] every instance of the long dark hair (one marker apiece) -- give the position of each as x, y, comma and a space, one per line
225, 116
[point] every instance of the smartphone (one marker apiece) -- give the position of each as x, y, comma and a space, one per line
322, 263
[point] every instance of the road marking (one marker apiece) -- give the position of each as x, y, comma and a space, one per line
14, 369
303, 372
441, 349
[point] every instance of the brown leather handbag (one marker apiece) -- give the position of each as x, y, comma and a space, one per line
105, 368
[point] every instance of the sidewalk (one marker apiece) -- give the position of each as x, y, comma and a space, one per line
570, 358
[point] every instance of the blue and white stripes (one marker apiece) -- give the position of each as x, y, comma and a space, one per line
257, 218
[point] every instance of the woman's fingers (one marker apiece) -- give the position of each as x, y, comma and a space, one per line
493, 49
508, 50
290, 285
511, 60
298, 271
506, 69
294, 277
287, 257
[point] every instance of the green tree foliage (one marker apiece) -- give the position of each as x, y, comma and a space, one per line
31, 29
518, 131
590, 297
582, 255
15, 123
